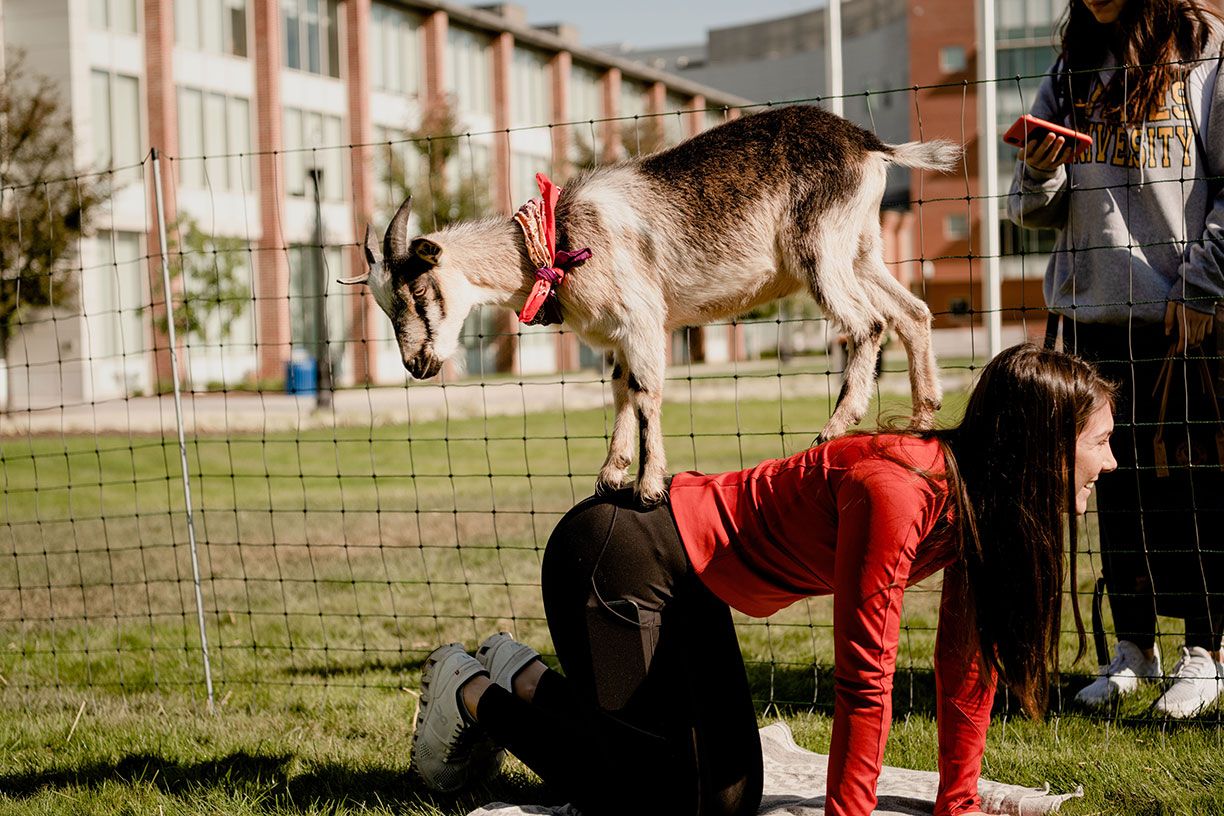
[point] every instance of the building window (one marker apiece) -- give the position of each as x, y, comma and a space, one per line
585, 110
310, 39
956, 227
1028, 19
118, 16
395, 50
113, 309
217, 26
115, 108
530, 94
523, 178
952, 59
468, 71
214, 141
1016, 240
314, 139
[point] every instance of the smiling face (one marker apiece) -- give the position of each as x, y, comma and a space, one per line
1106, 11
1093, 455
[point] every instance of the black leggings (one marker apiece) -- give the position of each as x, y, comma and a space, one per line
653, 713
1160, 539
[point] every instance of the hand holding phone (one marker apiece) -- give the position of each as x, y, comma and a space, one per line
1031, 134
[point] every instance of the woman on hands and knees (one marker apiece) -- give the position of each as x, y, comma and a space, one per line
653, 712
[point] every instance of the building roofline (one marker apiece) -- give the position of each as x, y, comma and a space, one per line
528, 35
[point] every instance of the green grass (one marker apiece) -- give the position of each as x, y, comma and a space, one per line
334, 561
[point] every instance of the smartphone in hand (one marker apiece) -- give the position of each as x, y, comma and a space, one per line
1027, 128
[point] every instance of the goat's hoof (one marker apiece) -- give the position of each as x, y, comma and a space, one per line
609, 483
648, 497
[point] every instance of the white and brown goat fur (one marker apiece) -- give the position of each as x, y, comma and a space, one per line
742, 214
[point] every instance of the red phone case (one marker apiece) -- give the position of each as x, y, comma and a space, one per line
1028, 127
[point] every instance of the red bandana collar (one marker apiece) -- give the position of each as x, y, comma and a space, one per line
538, 219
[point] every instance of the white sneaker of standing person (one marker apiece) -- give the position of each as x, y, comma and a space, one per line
449, 749
1122, 676
503, 657
1198, 681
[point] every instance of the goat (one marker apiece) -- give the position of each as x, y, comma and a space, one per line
742, 214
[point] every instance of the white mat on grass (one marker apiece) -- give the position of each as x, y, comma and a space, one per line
795, 785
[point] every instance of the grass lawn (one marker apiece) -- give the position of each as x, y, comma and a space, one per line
334, 561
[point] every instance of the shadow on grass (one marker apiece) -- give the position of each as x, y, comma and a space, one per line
269, 782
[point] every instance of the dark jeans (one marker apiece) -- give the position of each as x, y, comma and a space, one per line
653, 713
1162, 537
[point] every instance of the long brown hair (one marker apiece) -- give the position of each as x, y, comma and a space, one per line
1155, 34
1011, 475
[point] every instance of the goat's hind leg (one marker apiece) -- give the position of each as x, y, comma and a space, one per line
911, 319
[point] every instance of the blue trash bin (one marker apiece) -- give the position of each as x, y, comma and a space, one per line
301, 376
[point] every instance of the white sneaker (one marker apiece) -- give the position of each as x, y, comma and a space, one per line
1122, 676
1197, 681
503, 657
449, 750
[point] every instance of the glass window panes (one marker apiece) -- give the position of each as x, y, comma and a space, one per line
674, 123
468, 70
530, 93
304, 282
952, 59
314, 139
113, 15
310, 36
218, 26
395, 51
100, 108
1028, 19
191, 137
115, 314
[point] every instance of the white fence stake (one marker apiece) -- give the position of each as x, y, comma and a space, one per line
988, 172
178, 413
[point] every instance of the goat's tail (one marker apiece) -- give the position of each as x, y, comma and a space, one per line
937, 154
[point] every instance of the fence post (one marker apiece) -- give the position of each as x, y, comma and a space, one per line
988, 172
178, 413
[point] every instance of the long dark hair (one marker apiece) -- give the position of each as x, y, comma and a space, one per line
1154, 35
1011, 476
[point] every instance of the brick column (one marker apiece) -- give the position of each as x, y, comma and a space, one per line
435, 26
364, 312
559, 68
611, 110
694, 122
271, 261
162, 111
502, 58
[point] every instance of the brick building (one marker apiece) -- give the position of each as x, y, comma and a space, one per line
244, 99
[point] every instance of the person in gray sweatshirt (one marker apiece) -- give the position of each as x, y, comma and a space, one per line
1135, 278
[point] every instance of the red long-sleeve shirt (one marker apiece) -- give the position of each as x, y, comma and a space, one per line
848, 519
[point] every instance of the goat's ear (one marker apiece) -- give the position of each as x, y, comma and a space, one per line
428, 251
370, 247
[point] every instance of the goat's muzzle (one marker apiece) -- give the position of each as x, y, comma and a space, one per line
423, 366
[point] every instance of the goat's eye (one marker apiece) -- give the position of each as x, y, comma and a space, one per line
419, 287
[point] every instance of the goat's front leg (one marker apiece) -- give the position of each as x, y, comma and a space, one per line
646, 364
620, 450
855, 396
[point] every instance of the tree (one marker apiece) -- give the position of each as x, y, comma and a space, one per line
211, 270
46, 206
437, 181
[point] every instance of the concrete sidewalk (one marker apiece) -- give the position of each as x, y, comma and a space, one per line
267, 412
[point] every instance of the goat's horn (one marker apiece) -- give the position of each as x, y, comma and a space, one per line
364, 277
396, 244
370, 247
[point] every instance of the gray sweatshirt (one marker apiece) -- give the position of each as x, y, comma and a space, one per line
1141, 213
